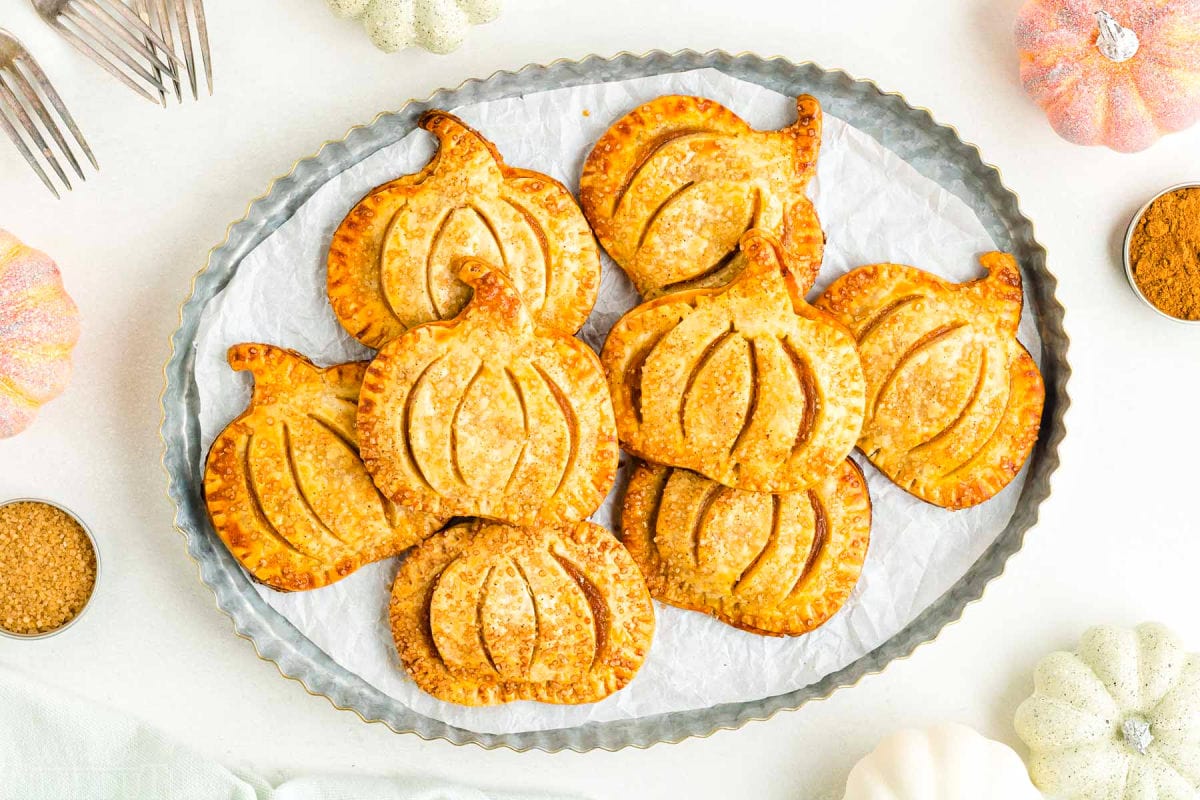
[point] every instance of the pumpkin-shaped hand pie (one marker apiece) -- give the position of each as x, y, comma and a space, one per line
486, 613
746, 384
489, 414
673, 185
779, 564
284, 484
954, 401
392, 260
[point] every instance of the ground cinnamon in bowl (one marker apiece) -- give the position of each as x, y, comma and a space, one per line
48, 568
1163, 253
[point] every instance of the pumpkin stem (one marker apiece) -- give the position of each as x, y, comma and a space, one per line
495, 296
807, 133
1136, 732
761, 251
1000, 289
454, 134
253, 357
760, 278
270, 365
1116, 42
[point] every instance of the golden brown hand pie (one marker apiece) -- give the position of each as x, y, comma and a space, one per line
391, 262
954, 401
673, 185
778, 564
489, 414
747, 384
486, 613
285, 487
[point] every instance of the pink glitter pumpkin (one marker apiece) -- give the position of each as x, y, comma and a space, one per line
1115, 72
39, 324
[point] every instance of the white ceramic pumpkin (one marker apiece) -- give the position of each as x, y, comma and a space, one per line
943, 762
437, 25
1118, 719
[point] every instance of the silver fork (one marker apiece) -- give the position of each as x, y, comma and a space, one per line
148, 11
165, 18
115, 36
182, 10
24, 92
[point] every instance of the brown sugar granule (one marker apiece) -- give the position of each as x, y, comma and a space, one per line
47, 568
1164, 253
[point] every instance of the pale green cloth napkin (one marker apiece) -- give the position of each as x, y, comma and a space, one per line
54, 746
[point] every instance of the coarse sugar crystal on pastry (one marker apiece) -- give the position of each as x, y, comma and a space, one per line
392, 260
285, 487
746, 384
489, 414
954, 401
671, 187
776, 564
486, 613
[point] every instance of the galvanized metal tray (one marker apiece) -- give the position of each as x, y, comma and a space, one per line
935, 150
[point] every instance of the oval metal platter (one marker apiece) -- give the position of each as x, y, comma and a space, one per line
935, 150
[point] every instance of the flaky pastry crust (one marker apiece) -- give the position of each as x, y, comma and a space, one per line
746, 384
954, 401
776, 564
489, 414
671, 187
392, 260
485, 613
285, 487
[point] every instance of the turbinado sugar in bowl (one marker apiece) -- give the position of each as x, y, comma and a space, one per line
47, 568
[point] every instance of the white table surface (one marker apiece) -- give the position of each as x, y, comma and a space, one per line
1117, 542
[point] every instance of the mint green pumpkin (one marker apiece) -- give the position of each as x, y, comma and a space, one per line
437, 25
1118, 719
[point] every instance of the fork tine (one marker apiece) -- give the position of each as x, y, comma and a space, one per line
143, 10
103, 19
24, 149
33, 101
162, 24
43, 83
98, 36
31, 129
91, 52
125, 12
202, 32
185, 36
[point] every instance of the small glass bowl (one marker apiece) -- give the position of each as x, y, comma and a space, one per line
1129, 263
96, 583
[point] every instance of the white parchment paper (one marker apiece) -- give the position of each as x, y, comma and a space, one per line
873, 206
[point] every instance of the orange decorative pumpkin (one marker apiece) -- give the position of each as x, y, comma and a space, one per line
1120, 73
39, 325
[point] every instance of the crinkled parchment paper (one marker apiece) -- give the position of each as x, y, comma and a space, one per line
874, 207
